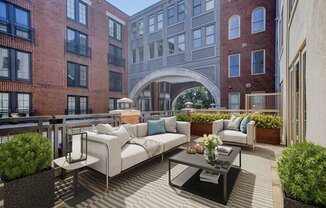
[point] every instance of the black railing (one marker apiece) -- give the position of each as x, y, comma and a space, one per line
78, 49
17, 113
116, 60
77, 111
17, 30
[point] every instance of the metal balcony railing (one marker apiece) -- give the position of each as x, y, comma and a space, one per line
17, 30
17, 113
78, 49
116, 60
77, 111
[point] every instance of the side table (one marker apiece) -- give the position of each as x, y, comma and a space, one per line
79, 193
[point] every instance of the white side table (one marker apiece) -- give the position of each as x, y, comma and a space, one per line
79, 193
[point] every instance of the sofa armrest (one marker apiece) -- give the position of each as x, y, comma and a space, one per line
251, 133
184, 128
217, 126
108, 149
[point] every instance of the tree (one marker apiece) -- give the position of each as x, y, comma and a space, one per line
194, 95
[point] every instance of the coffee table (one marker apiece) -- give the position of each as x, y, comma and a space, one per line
189, 179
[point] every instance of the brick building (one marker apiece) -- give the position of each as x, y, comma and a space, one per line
247, 50
62, 57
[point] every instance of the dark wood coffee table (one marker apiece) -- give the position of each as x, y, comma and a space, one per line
189, 179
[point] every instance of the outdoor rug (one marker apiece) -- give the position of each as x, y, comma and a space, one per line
147, 187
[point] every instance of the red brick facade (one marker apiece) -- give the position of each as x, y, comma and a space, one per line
244, 46
49, 59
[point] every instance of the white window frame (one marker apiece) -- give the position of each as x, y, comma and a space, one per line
252, 62
159, 20
207, 2
234, 93
229, 68
229, 27
252, 20
151, 27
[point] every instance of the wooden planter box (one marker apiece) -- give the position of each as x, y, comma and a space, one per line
268, 136
32, 191
200, 129
291, 203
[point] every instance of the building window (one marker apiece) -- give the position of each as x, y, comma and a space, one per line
15, 65
209, 4
15, 103
234, 65
77, 75
134, 30
159, 48
197, 38
210, 35
77, 11
234, 27
151, 51
171, 46
141, 53
258, 62
115, 30
151, 23
115, 83
181, 43
134, 56
234, 100
140, 28
115, 56
181, 11
196, 7
77, 105
77, 43
23, 102
170, 15
15, 21
258, 20
112, 103
159, 20
4, 104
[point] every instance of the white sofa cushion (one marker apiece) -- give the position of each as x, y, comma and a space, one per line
131, 155
123, 134
169, 140
170, 124
234, 123
233, 136
141, 129
104, 128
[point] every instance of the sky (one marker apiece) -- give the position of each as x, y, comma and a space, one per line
131, 7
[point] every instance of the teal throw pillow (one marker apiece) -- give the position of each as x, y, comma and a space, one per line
243, 124
155, 127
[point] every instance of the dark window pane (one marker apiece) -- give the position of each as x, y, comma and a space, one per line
115, 82
71, 74
83, 105
71, 105
4, 62
3, 10
23, 65
160, 48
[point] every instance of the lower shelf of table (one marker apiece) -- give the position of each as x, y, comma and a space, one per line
189, 181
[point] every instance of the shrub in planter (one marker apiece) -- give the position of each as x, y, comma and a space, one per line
267, 121
182, 117
302, 171
208, 118
25, 168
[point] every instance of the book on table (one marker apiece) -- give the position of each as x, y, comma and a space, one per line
210, 177
223, 150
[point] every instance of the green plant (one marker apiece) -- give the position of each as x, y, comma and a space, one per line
24, 155
182, 117
302, 170
208, 118
267, 121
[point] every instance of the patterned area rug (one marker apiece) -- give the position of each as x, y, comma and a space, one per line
147, 186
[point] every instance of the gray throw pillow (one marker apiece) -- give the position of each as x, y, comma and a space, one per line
234, 123
122, 133
170, 124
104, 128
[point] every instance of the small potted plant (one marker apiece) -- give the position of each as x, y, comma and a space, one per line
302, 171
210, 143
25, 169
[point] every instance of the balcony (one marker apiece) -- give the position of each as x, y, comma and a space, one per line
17, 30
4, 113
77, 111
78, 49
116, 60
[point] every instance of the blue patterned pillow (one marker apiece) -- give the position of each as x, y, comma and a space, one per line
155, 127
243, 124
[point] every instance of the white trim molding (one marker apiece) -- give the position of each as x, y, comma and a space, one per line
115, 18
87, 2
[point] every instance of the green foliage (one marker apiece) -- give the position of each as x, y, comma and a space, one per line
182, 117
24, 155
195, 95
302, 170
208, 118
267, 121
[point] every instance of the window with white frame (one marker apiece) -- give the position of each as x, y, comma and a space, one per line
234, 65
209, 4
210, 35
197, 38
234, 100
134, 30
234, 27
258, 62
140, 28
159, 46
159, 17
151, 23
181, 11
258, 20
181, 43
171, 15
171, 43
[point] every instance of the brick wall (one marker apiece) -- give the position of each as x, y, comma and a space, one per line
264, 40
49, 59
